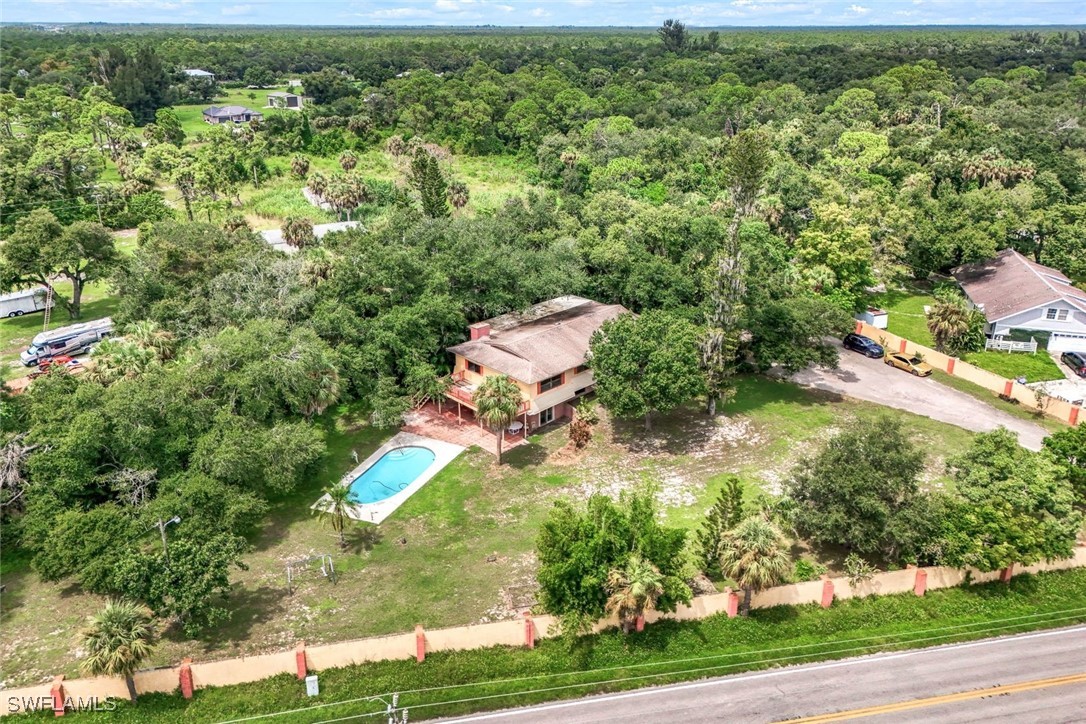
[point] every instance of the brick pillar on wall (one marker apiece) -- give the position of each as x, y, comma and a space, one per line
420, 644
56, 692
950, 366
1073, 418
732, 607
1008, 388
859, 327
299, 660
901, 347
921, 585
529, 631
639, 624
184, 676
1006, 574
827, 591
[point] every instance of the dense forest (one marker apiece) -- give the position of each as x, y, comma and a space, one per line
749, 187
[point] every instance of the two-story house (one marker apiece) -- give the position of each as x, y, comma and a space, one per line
543, 349
1016, 293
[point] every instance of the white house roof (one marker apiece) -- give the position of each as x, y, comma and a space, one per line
1010, 284
196, 72
225, 111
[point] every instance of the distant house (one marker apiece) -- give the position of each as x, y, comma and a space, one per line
1016, 293
288, 101
294, 83
231, 114
543, 349
197, 73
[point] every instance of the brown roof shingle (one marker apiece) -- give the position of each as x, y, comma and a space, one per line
1009, 283
543, 341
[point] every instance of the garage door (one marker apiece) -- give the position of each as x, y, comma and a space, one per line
1058, 342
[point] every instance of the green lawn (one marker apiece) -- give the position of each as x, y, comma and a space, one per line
1034, 367
192, 119
461, 550
991, 398
457, 683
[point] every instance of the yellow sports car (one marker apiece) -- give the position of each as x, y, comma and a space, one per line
909, 363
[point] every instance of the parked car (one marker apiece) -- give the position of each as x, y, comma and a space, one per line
863, 345
909, 363
1076, 361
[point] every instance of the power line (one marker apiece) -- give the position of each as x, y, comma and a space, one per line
1024, 618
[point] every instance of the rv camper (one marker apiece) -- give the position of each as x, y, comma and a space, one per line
71, 340
24, 301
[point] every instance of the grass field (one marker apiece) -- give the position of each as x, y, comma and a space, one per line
462, 548
456, 683
1034, 367
192, 119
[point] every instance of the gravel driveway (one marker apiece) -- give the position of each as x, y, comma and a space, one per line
870, 379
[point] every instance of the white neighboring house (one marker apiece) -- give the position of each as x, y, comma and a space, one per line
1016, 293
197, 73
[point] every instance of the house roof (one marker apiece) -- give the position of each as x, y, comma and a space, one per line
197, 72
282, 94
219, 111
542, 341
1009, 284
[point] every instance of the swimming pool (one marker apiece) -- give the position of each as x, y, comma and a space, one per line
394, 471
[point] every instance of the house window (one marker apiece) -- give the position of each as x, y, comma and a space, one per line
1059, 315
547, 416
550, 383
580, 369
477, 369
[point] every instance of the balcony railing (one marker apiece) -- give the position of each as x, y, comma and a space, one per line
461, 391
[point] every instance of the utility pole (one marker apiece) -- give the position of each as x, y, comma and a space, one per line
161, 525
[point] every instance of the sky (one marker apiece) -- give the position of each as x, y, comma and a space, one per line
551, 12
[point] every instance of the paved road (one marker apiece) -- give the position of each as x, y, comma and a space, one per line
872, 380
1038, 678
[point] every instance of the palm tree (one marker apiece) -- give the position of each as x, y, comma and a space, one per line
948, 319
298, 232
148, 335
753, 554
117, 641
299, 166
347, 160
317, 183
634, 590
458, 194
497, 401
333, 507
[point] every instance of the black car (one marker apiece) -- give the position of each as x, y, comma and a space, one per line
863, 345
1076, 361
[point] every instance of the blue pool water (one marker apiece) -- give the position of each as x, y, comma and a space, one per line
392, 472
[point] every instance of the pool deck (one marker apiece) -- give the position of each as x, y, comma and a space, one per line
444, 452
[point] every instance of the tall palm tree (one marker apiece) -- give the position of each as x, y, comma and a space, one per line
948, 319
347, 160
634, 590
458, 194
332, 509
299, 166
497, 401
317, 183
117, 641
754, 555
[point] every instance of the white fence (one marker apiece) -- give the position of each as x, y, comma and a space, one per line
1005, 345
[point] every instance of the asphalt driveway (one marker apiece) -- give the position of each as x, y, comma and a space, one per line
870, 379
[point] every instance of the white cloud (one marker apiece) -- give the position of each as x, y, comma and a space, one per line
858, 9
447, 6
237, 10
505, 8
539, 13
